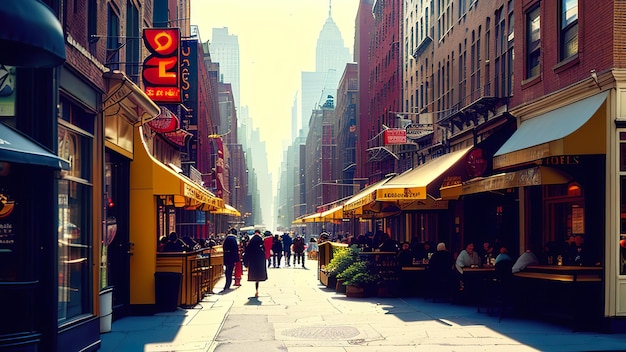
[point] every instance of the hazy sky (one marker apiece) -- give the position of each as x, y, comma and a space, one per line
277, 40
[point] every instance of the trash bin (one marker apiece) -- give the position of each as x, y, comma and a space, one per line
106, 309
166, 290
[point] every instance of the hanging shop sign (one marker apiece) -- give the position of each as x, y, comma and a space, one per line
161, 69
418, 130
166, 121
395, 136
178, 137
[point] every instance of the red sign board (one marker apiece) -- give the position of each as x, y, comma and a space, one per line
166, 121
395, 136
161, 69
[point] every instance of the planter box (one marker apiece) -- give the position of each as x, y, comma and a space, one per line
332, 283
327, 280
340, 287
324, 278
354, 291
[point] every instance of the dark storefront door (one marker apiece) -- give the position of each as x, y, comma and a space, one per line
117, 176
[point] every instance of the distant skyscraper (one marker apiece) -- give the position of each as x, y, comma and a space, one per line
330, 52
294, 118
331, 57
224, 49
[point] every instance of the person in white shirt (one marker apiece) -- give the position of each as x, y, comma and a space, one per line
525, 259
467, 258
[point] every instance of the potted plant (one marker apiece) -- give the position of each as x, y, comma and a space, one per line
358, 278
343, 257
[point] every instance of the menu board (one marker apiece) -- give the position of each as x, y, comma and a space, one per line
578, 220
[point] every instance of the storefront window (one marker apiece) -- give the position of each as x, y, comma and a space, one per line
622, 239
622, 172
75, 224
564, 220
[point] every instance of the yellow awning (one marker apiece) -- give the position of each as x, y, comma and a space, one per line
149, 174
534, 176
424, 204
413, 185
363, 198
575, 129
227, 210
330, 215
299, 219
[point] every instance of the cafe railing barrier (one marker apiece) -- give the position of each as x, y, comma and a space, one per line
199, 271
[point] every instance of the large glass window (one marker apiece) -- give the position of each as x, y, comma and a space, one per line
510, 55
75, 215
92, 21
569, 28
113, 40
133, 42
533, 42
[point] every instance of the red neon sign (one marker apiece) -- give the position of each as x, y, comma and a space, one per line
161, 69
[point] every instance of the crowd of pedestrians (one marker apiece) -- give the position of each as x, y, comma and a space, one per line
260, 251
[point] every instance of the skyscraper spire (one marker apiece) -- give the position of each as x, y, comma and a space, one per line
330, 8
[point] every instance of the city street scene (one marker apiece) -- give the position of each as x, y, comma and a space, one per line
289, 175
295, 313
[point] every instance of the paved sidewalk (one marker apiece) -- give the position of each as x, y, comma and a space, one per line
295, 313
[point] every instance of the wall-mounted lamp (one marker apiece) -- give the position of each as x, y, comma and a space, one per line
594, 76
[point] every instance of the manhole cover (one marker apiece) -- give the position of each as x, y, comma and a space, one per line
325, 333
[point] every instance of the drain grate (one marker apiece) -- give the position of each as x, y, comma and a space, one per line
322, 333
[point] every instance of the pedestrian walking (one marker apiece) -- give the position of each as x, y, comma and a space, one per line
254, 259
312, 249
268, 241
277, 251
298, 250
231, 256
287, 242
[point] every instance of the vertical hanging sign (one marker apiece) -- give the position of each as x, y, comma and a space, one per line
161, 69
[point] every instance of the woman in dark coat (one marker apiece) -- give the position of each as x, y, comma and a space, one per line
254, 260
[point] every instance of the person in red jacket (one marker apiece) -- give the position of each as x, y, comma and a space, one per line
268, 240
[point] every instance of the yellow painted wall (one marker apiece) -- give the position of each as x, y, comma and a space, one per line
143, 226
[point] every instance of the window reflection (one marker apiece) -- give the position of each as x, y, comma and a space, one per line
74, 233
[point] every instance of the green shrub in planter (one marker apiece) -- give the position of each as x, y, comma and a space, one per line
360, 273
343, 257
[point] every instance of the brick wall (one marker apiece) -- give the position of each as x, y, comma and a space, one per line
597, 48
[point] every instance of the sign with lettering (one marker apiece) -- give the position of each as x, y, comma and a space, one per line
161, 69
417, 131
395, 136
401, 193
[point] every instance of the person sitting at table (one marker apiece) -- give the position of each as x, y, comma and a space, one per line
175, 244
525, 259
439, 273
503, 255
425, 252
488, 253
467, 258
388, 245
503, 265
405, 256
577, 254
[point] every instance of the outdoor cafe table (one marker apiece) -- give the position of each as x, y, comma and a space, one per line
476, 284
413, 280
570, 293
